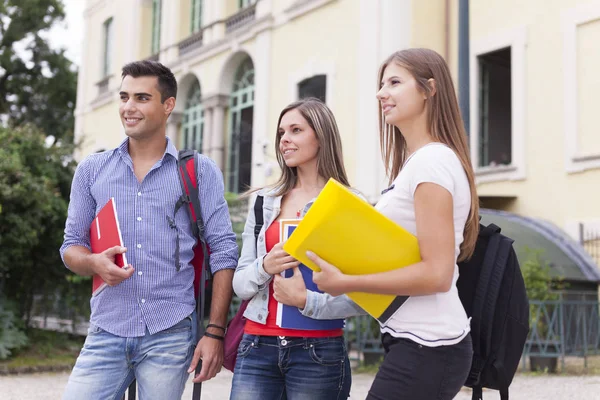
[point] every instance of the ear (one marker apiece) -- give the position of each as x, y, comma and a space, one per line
432, 85
169, 105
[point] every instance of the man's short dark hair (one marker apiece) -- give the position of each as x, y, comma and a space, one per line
167, 84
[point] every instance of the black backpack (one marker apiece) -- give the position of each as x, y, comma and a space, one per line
492, 291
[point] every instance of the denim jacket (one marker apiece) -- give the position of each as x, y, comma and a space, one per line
251, 281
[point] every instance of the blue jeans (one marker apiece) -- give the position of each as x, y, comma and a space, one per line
107, 364
291, 368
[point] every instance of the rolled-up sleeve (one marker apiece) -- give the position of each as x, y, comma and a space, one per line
218, 232
82, 208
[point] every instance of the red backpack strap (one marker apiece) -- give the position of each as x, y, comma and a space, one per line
187, 167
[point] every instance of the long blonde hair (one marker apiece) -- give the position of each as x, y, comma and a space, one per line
330, 161
444, 122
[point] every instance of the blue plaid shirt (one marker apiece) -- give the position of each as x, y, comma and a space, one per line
159, 294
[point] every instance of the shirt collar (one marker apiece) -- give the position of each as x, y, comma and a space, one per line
123, 148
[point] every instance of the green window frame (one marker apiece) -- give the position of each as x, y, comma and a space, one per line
242, 98
107, 28
245, 3
193, 119
156, 24
196, 15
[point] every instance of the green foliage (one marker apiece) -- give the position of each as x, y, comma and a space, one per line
536, 274
35, 184
38, 85
11, 337
56, 350
238, 209
541, 286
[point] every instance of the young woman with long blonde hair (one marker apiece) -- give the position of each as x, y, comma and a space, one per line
432, 194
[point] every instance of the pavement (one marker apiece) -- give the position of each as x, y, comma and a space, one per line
49, 386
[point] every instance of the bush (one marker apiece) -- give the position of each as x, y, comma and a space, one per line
11, 337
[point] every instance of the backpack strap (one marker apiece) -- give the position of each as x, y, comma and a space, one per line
187, 167
258, 217
477, 393
486, 296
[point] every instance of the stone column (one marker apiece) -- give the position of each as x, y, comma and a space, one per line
217, 103
173, 124
208, 134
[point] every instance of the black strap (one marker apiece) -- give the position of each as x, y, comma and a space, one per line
493, 291
258, 217
489, 261
477, 393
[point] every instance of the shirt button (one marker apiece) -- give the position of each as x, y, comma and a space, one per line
264, 297
260, 239
260, 316
139, 193
310, 313
143, 301
139, 218
139, 272
139, 246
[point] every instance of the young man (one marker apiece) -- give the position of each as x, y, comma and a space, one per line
142, 326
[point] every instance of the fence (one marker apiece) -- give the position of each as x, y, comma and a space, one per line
589, 237
563, 328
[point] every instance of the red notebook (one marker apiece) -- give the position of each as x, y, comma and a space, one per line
104, 234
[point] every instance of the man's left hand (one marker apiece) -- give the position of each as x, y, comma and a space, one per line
210, 351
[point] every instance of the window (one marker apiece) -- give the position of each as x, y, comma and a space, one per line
193, 119
108, 34
241, 107
495, 109
245, 3
196, 15
156, 17
498, 105
313, 87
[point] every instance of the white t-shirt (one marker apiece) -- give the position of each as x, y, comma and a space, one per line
438, 319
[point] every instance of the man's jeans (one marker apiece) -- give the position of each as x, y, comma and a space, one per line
269, 368
107, 364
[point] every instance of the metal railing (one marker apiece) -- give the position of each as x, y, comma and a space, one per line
190, 43
590, 240
241, 18
563, 328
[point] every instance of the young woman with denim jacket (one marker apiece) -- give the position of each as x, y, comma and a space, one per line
432, 194
272, 362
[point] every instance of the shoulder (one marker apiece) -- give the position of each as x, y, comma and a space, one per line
94, 161
435, 156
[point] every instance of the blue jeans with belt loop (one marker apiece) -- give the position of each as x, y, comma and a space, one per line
291, 368
107, 364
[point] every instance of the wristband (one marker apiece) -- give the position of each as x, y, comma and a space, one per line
216, 326
210, 335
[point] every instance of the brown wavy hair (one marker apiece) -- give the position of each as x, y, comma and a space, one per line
330, 161
444, 122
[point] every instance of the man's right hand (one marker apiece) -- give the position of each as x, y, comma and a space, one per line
278, 260
104, 265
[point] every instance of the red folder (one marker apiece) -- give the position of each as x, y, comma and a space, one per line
104, 234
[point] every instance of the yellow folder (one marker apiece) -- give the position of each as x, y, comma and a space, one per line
349, 233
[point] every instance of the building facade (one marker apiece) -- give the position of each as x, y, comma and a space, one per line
534, 139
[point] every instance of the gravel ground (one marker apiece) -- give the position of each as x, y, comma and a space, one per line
49, 386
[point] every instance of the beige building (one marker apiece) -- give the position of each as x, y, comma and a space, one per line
533, 76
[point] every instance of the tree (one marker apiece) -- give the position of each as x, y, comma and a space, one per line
38, 84
35, 182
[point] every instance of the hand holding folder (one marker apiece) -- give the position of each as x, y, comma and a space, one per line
105, 233
352, 235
